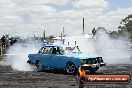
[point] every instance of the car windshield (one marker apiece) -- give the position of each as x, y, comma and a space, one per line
45, 50
69, 49
59, 50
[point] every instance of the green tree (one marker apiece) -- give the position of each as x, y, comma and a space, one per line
51, 37
126, 25
113, 34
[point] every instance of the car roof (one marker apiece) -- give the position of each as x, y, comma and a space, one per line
53, 45
58, 45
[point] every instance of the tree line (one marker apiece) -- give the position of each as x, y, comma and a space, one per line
124, 29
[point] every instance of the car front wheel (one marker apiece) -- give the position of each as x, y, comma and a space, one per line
39, 66
70, 68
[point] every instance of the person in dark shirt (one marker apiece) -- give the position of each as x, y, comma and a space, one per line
93, 32
7, 42
54, 51
3, 41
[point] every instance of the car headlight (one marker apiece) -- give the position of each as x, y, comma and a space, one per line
93, 61
83, 61
89, 61
100, 59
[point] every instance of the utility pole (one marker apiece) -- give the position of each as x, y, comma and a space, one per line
83, 26
44, 34
63, 32
61, 36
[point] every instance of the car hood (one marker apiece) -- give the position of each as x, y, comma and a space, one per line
82, 55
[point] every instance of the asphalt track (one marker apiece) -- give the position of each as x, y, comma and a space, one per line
10, 78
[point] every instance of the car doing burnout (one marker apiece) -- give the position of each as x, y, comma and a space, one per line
65, 57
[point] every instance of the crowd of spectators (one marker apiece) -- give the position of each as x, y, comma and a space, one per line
7, 41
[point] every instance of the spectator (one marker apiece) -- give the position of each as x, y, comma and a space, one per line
3, 41
12, 40
0, 42
93, 32
7, 41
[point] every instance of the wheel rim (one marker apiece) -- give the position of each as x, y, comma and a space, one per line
39, 66
70, 68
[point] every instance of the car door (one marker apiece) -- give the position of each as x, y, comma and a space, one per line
58, 59
45, 56
45, 59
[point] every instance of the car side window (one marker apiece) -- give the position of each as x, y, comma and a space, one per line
56, 50
46, 50
62, 51
41, 50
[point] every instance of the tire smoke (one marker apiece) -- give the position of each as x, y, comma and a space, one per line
17, 55
113, 51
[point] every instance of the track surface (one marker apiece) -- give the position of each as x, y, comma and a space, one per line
10, 78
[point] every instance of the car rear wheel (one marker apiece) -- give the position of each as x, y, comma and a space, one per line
70, 68
39, 66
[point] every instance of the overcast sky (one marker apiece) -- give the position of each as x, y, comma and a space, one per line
31, 17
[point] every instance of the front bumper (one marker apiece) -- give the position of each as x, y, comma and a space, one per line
102, 64
92, 66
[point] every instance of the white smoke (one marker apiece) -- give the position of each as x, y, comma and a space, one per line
84, 44
17, 55
113, 51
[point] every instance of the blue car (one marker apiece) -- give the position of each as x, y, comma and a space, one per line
65, 57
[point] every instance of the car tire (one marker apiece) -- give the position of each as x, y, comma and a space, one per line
39, 66
70, 68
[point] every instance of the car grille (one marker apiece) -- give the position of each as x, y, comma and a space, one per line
93, 60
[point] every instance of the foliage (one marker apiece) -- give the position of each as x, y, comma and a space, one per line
126, 25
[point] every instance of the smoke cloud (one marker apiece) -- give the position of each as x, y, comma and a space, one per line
17, 55
113, 51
